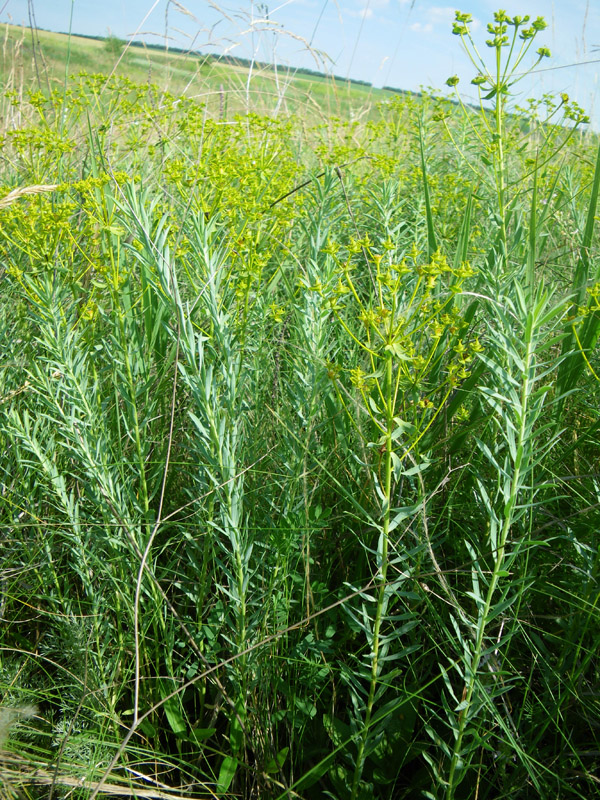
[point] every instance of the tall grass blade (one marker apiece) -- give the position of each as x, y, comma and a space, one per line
574, 363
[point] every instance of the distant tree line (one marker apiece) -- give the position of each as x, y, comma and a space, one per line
114, 43
400, 91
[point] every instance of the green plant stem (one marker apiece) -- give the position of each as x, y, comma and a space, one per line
499, 157
136, 425
381, 577
515, 487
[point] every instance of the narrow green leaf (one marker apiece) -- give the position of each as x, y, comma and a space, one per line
431, 240
574, 364
276, 763
226, 774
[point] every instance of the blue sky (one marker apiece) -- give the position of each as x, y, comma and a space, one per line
402, 43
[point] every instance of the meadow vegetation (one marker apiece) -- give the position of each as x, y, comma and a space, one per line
223, 84
299, 428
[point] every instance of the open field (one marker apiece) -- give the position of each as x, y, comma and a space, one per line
299, 487
219, 85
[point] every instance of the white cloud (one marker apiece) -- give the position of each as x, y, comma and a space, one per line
441, 14
437, 17
445, 15
361, 13
419, 27
369, 8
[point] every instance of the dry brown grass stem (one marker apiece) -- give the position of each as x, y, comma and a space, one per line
10, 198
16, 772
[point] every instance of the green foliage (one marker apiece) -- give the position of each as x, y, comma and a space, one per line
298, 423
114, 45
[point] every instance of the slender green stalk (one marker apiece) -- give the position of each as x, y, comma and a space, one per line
499, 161
380, 576
516, 419
497, 571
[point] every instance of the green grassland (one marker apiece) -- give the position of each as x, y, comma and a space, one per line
299, 433
216, 83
